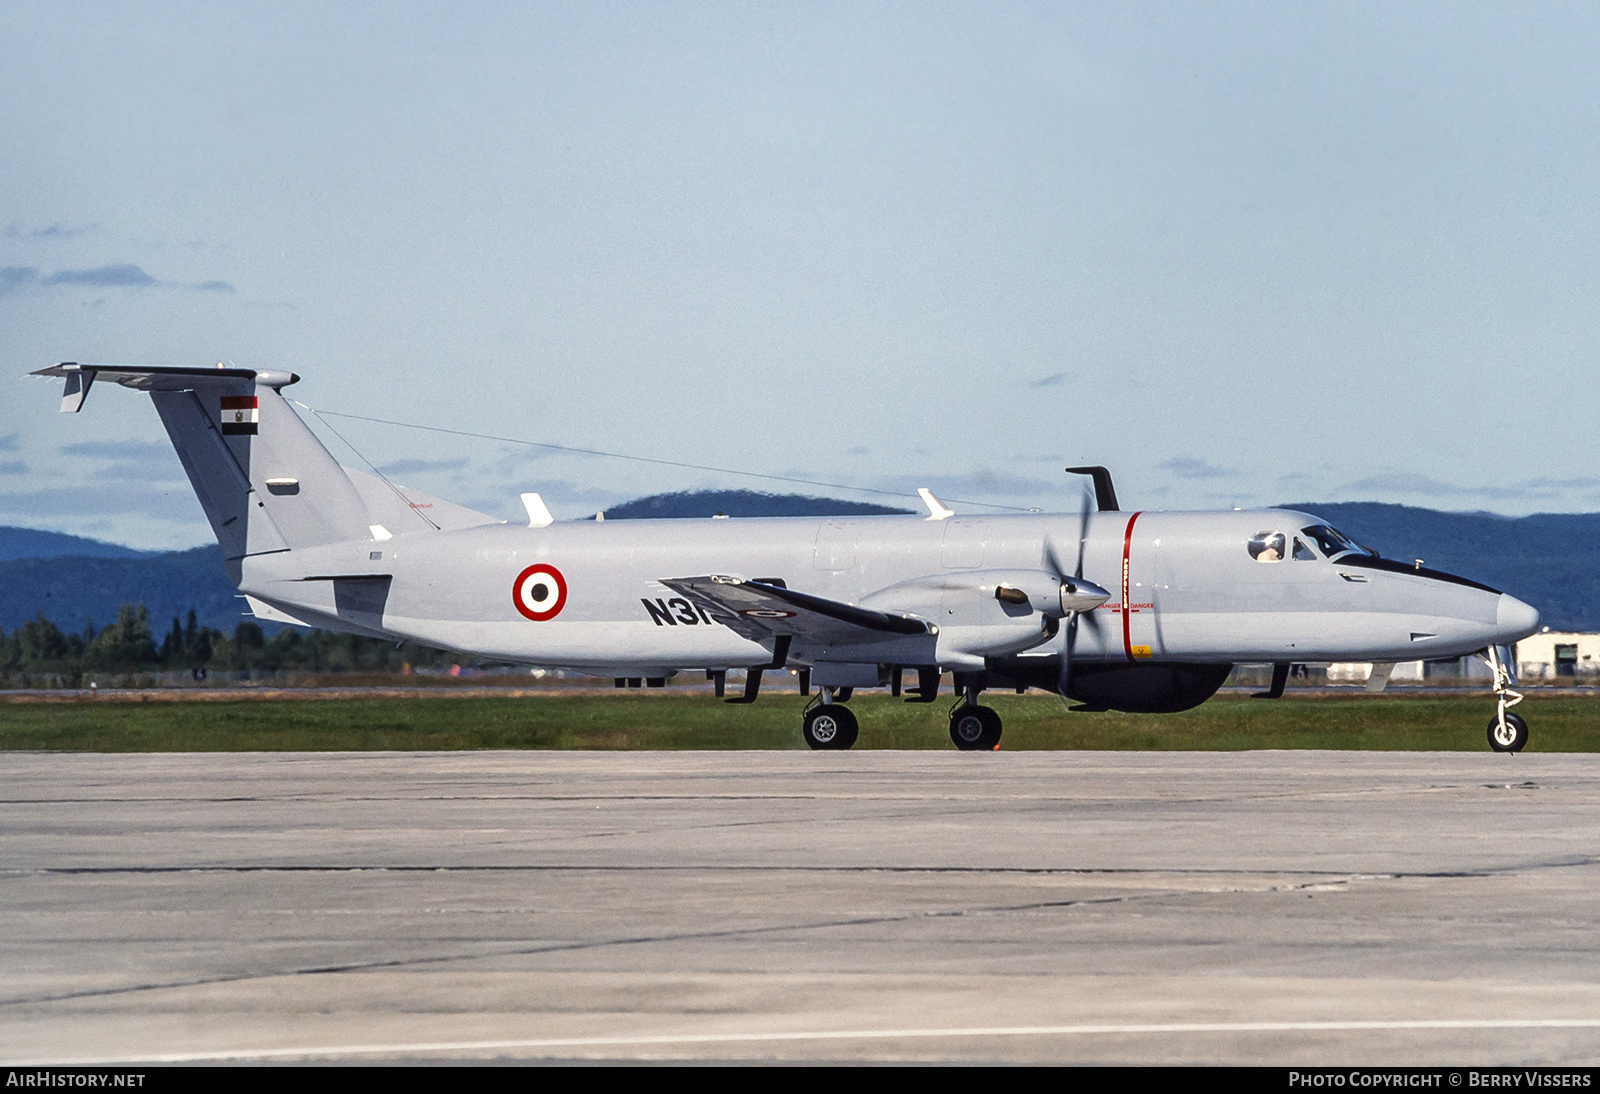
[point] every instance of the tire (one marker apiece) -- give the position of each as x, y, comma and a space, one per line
975, 729
1515, 737
829, 726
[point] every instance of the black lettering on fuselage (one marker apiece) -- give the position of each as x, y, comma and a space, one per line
685, 613
659, 612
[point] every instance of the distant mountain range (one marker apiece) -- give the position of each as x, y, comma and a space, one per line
71, 590
32, 543
743, 503
1551, 560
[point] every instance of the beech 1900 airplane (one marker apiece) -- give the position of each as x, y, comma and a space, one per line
1129, 611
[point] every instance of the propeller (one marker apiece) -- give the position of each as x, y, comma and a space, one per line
1079, 596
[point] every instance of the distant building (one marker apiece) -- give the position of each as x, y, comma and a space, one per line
1345, 672
1413, 672
1551, 655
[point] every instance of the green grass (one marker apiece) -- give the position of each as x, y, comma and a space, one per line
666, 721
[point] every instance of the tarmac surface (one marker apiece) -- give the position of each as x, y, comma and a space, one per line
1262, 907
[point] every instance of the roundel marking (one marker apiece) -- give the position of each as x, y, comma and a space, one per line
540, 592
766, 613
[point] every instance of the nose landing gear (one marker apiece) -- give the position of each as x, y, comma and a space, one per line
1507, 732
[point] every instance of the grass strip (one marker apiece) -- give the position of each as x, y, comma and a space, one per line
665, 721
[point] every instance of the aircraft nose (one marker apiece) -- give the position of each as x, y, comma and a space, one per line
1514, 619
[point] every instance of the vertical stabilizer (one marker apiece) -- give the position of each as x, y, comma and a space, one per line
264, 480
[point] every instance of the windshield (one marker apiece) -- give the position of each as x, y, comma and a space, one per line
1333, 542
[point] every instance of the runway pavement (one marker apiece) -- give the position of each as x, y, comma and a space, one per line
1265, 907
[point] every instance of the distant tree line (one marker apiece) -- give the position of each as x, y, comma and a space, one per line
39, 648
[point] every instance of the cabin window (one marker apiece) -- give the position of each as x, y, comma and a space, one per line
1267, 546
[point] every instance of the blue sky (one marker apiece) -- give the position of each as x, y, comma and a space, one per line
1240, 253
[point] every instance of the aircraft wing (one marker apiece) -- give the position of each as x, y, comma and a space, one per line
762, 612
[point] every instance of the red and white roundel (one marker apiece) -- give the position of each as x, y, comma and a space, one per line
540, 592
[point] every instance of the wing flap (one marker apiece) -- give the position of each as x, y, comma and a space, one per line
762, 612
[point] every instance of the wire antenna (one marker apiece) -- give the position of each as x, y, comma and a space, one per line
325, 414
397, 491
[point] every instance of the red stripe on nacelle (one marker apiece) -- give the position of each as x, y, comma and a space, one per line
1127, 613
239, 402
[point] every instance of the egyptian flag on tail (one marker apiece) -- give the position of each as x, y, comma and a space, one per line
239, 414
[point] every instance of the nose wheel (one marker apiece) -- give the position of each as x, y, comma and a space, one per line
974, 728
1507, 732
829, 725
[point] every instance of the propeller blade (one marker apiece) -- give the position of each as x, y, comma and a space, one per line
1064, 677
1083, 531
1077, 594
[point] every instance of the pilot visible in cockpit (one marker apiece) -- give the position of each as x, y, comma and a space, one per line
1267, 546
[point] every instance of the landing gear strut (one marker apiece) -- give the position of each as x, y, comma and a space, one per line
829, 724
974, 728
1507, 732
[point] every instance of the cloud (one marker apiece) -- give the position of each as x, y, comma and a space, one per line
1187, 467
1049, 381
976, 485
13, 467
120, 275
1412, 482
118, 450
16, 278
8, 443
50, 232
412, 467
152, 463
101, 500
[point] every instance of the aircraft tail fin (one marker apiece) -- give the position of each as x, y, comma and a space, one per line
264, 480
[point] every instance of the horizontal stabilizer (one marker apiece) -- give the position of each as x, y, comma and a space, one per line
266, 613
150, 378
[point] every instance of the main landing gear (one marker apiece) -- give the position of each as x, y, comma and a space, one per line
974, 728
1507, 732
830, 724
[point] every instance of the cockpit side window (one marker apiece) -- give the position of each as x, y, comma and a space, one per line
1302, 553
1267, 546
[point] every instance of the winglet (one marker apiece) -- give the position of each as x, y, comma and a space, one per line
538, 512
937, 510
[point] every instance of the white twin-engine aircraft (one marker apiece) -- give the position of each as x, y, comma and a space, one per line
1170, 603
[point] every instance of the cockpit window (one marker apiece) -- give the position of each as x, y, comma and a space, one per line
1302, 553
1330, 541
1267, 546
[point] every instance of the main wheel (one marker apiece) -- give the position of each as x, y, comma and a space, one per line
829, 725
975, 728
1508, 738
